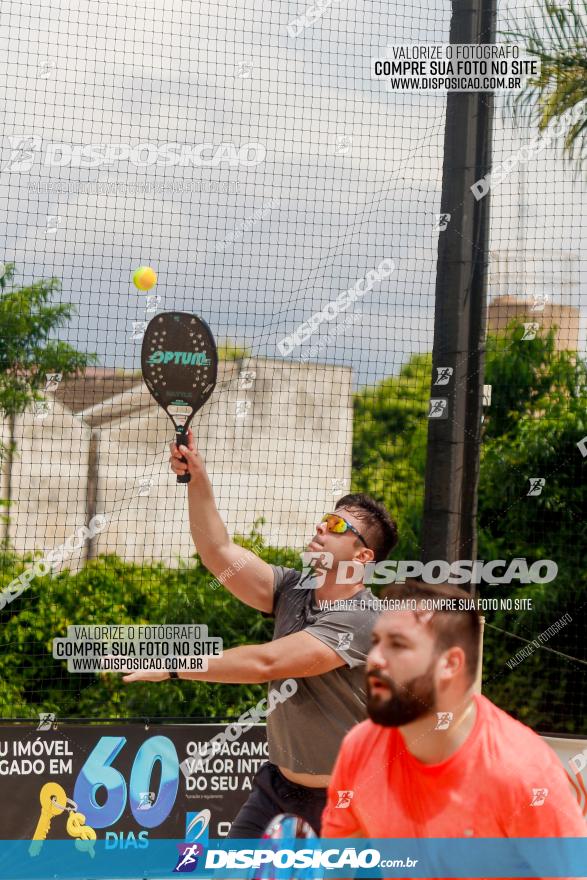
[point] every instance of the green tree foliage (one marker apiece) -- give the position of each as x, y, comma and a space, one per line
28, 319
529, 378
110, 591
537, 416
27, 353
389, 447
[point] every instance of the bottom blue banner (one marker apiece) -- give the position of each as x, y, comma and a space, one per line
288, 859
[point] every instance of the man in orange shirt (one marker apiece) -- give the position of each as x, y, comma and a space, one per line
435, 759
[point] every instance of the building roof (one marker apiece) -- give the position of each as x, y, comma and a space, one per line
94, 386
101, 394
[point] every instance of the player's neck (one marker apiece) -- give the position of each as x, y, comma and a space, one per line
429, 741
330, 591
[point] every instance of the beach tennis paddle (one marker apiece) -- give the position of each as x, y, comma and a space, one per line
179, 361
287, 828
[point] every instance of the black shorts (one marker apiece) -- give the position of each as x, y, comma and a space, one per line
273, 794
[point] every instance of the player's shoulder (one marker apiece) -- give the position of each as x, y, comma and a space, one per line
283, 572
511, 743
503, 728
284, 578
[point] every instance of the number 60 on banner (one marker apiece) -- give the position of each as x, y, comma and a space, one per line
98, 773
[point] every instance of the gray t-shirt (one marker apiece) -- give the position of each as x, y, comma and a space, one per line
306, 730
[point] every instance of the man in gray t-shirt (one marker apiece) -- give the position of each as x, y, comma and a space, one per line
306, 730
318, 649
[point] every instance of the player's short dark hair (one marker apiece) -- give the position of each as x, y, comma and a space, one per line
460, 628
380, 530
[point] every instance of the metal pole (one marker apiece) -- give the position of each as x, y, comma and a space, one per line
92, 488
452, 467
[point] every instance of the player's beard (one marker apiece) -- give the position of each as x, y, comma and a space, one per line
406, 702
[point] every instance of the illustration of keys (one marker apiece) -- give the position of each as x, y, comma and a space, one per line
50, 796
76, 827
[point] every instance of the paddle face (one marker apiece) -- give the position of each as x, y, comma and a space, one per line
287, 828
179, 361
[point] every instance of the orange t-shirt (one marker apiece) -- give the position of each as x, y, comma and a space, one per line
491, 786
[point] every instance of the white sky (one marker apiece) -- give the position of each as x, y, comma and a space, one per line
118, 73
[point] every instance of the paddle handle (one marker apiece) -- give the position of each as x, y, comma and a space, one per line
181, 439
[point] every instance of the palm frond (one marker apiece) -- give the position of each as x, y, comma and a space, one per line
557, 37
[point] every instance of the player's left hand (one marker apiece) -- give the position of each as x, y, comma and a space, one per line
129, 675
146, 675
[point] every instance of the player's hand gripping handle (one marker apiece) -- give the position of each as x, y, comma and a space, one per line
181, 439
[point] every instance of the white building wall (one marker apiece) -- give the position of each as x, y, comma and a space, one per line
49, 477
278, 461
276, 437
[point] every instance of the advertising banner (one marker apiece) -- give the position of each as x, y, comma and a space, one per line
139, 801
117, 788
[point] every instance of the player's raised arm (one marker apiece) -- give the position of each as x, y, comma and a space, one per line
246, 576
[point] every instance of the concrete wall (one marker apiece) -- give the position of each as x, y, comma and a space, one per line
276, 437
503, 309
49, 478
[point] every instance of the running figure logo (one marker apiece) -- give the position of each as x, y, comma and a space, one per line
52, 383
344, 799
146, 800
536, 485
242, 408
444, 719
444, 375
188, 857
138, 330
246, 379
442, 221
438, 408
338, 486
24, 150
530, 330
539, 795
46, 720
315, 564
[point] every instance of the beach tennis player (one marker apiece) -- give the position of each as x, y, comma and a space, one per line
435, 759
323, 650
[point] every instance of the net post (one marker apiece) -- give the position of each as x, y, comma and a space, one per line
452, 467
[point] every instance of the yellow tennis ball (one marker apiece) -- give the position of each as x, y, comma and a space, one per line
144, 278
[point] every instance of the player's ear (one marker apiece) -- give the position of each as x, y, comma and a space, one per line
364, 555
452, 663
